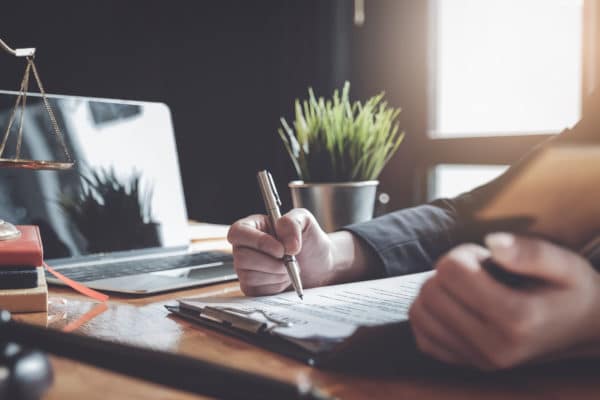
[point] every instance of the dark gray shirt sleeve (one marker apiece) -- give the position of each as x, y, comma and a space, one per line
410, 240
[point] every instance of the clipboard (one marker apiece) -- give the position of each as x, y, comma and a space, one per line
375, 343
386, 347
247, 331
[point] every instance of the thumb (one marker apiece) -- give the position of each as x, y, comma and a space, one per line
533, 257
292, 226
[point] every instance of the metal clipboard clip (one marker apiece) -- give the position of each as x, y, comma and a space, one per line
239, 319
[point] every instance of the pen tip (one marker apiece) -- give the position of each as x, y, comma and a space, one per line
301, 297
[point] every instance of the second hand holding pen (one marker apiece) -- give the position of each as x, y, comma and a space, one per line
272, 203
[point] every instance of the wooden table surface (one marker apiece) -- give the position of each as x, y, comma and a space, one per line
145, 322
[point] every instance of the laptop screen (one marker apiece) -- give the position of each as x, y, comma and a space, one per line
123, 193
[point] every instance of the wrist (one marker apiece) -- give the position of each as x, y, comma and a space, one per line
351, 259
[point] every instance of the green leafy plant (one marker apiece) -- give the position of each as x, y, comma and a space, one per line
336, 140
110, 214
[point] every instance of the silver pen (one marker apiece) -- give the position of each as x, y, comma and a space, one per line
272, 203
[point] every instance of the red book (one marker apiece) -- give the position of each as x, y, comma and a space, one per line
26, 250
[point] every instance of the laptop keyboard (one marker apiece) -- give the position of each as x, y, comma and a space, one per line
133, 267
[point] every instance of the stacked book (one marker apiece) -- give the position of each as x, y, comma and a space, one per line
23, 285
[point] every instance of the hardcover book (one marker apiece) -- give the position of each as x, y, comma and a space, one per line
26, 250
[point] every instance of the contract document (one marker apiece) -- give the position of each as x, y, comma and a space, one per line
327, 314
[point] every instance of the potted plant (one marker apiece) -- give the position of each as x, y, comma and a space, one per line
111, 214
338, 149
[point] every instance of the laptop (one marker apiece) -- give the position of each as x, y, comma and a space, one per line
117, 221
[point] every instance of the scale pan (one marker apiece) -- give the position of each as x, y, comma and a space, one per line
35, 164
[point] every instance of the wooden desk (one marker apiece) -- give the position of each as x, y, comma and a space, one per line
145, 322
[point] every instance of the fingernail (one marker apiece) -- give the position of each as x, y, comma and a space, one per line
501, 245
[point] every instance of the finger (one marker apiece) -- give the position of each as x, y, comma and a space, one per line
252, 232
263, 290
245, 258
435, 336
487, 298
435, 350
451, 314
533, 257
291, 227
431, 303
256, 278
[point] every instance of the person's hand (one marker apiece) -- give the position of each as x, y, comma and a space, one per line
257, 255
464, 316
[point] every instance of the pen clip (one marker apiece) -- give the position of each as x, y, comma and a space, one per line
233, 320
278, 322
273, 189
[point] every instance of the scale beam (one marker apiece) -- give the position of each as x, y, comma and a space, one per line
26, 52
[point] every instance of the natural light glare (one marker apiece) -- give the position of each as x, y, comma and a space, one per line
450, 180
505, 67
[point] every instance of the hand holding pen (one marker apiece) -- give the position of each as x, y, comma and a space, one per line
259, 248
272, 204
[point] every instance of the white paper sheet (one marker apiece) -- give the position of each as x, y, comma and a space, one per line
332, 312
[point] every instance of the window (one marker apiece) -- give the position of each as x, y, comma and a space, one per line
510, 66
503, 76
450, 180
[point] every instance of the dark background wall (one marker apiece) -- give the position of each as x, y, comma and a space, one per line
228, 70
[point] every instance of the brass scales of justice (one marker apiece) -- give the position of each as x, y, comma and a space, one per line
7, 230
